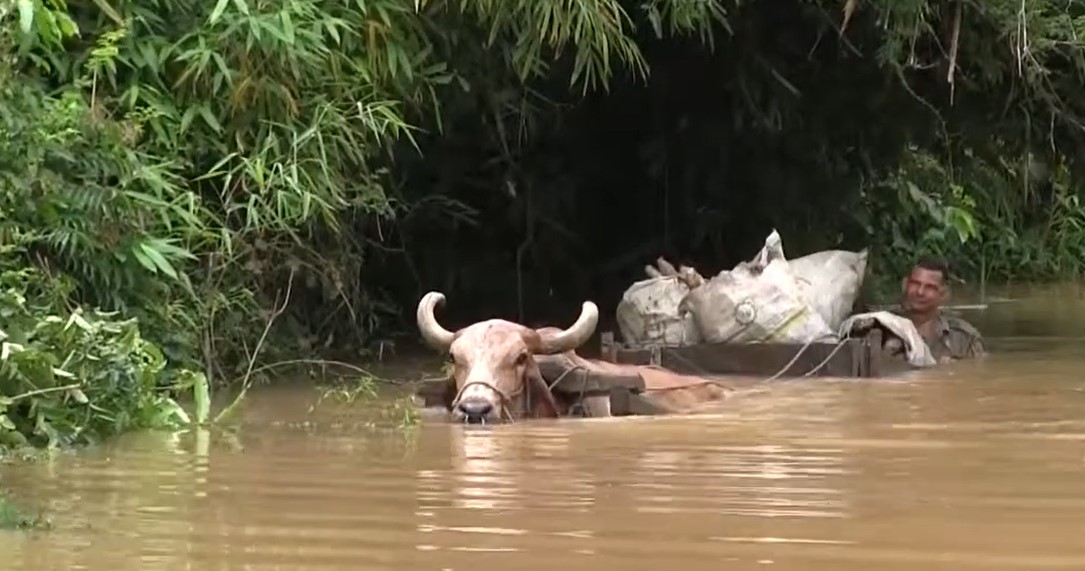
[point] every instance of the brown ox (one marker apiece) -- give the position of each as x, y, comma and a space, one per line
496, 373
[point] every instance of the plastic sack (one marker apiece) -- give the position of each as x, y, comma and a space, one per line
906, 337
757, 302
830, 282
648, 314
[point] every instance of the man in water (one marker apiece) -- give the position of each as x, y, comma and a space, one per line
925, 290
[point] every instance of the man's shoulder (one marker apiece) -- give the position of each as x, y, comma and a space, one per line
958, 324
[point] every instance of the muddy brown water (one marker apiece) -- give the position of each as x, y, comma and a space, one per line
974, 466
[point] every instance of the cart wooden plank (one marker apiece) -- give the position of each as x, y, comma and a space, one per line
577, 381
628, 403
858, 357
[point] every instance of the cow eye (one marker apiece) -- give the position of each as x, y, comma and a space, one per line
521, 359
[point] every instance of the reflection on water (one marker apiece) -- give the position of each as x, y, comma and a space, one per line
974, 466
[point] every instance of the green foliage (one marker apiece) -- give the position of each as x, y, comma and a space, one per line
989, 217
82, 218
72, 378
11, 517
992, 186
285, 115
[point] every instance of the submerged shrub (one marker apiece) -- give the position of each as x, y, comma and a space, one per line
11, 517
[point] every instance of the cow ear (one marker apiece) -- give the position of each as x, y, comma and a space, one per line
543, 403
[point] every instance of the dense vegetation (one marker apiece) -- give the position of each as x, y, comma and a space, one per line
186, 187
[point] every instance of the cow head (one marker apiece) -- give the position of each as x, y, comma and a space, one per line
494, 371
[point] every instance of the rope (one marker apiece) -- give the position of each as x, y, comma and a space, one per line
583, 387
505, 399
805, 346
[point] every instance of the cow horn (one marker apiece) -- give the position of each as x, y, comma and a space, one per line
436, 336
574, 336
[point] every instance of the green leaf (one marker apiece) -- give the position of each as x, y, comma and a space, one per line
26, 15
109, 11
143, 259
210, 119
78, 396
216, 13
288, 26
158, 260
62, 373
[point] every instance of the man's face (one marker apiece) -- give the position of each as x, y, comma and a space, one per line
924, 290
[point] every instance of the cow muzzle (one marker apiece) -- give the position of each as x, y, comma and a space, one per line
475, 411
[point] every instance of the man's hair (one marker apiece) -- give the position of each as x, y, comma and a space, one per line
934, 265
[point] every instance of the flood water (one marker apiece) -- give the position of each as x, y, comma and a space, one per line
974, 466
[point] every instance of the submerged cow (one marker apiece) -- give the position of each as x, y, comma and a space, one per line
496, 374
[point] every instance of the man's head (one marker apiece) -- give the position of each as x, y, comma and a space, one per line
493, 360
926, 287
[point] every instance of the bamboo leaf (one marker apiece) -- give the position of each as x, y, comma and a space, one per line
143, 259
26, 15
109, 11
217, 11
158, 260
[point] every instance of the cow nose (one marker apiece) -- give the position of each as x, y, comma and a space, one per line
475, 410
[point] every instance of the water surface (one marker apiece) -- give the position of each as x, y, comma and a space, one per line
974, 466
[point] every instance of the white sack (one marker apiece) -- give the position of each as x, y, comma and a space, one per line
757, 302
648, 314
830, 281
915, 348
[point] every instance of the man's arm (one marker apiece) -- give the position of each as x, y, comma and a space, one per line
966, 342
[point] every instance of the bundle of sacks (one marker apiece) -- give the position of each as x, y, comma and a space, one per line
765, 300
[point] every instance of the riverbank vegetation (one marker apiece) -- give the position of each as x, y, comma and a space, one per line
189, 187
11, 517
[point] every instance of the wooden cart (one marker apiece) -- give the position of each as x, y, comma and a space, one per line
856, 358
860, 357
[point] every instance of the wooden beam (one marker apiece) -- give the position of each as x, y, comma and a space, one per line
625, 403
874, 353
432, 392
751, 359
576, 381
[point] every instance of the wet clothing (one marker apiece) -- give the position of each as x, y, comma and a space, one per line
953, 337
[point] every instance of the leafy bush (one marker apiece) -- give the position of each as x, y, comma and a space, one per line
73, 377
85, 221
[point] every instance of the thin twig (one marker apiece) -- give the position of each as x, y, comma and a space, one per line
247, 379
849, 8
954, 44
354, 368
39, 392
